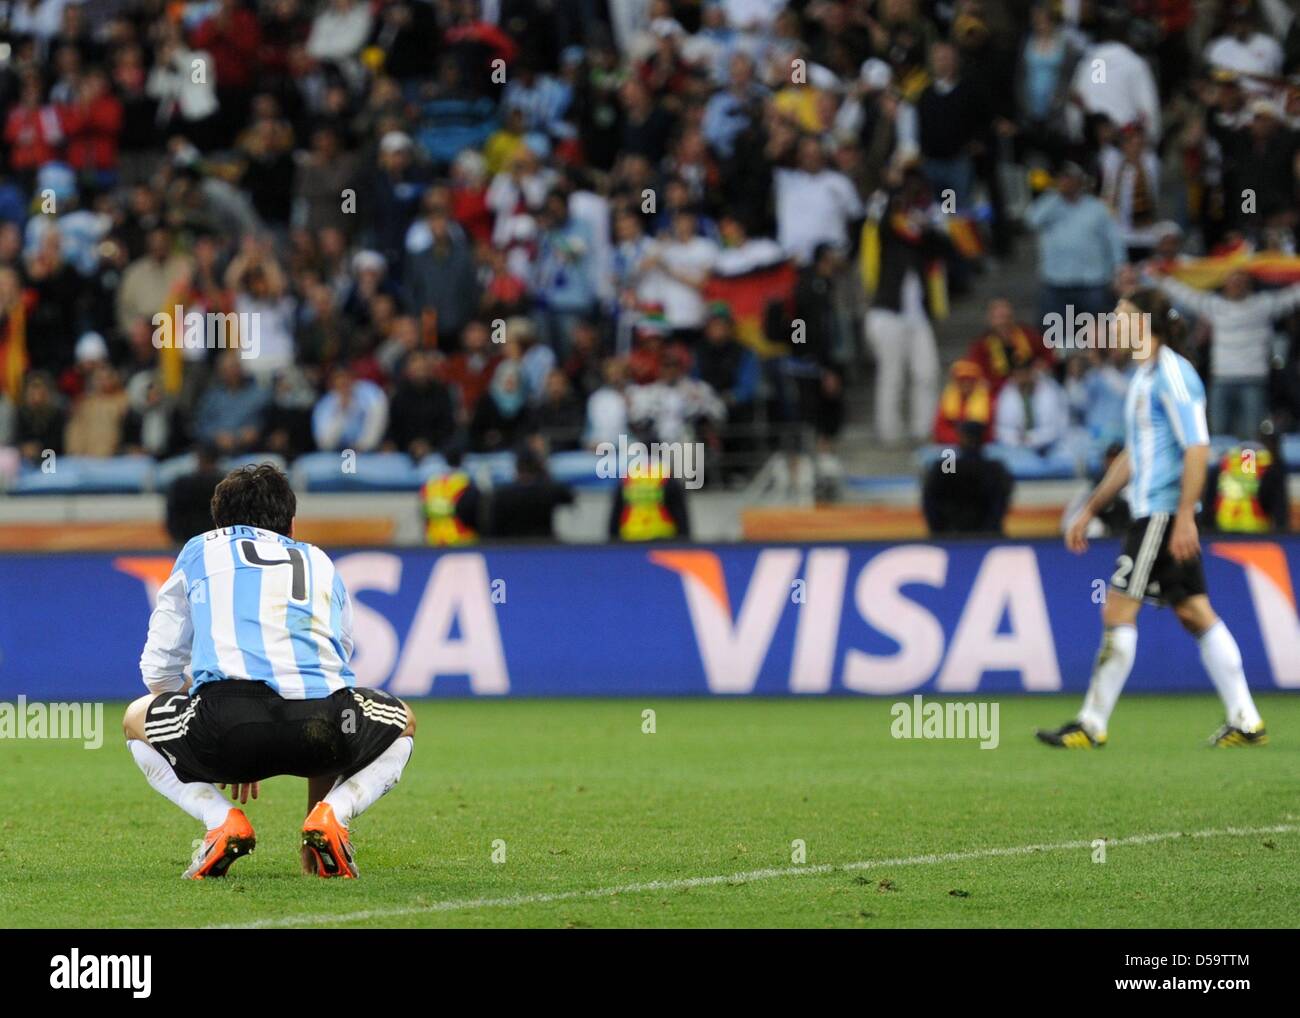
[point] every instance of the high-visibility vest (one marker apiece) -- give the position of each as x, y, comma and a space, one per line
645, 515
1237, 508
440, 496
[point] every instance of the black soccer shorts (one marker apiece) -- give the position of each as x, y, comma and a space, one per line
1147, 571
238, 731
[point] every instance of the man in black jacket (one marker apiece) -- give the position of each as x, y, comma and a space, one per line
964, 493
189, 499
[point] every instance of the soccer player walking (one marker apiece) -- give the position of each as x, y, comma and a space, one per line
1166, 450
264, 625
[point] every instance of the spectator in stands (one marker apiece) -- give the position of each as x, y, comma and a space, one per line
675, 407
151, 427
1130, 181
967, 398
1032, 412
950, 117
1047, 65
1005, 344
898, 325
968, 494
189, 497
231, 412
339, 31
152, 282
229, 191
469, 371
607, 406
563, 282
814, 203
93, 124
95, 424
287, 419
730, 369
353, 415
1079, 247
1126, 92
502, 417
814, 361
440, 280
421, 418
1240, 354
559, 414
1244, 49
40, 420
525, 508
1096, 383
673, 272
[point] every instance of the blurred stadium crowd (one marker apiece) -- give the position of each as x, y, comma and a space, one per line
463, 226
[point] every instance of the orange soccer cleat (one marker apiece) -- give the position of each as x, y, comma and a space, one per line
221, 846
326, 842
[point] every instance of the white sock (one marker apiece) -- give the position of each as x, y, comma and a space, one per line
1109, 673
202, 801
1222, 659
358, 793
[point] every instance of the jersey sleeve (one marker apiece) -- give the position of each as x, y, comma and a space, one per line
1183, 396
171, 636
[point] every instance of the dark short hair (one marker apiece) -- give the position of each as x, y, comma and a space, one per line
1167, 324
257, 495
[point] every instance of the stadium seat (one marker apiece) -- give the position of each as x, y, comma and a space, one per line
1024, 464
166, 471
1027, 465
374, 471
433, 465
496, 467
578, 468
84, 475
1291, 452
230, 463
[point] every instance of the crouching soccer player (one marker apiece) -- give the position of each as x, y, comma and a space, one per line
1166, 448
264, 625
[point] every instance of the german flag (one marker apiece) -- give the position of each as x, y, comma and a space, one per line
751, 296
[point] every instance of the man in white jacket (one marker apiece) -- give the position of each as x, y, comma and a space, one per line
1240, 350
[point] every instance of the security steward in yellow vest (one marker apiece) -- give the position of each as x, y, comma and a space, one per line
1250, 491
450, 507
649, 506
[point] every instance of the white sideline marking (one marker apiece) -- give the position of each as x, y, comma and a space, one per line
687, 883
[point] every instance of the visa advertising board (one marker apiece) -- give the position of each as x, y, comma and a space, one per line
727, 620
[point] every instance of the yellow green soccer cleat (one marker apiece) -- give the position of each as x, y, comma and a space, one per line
1230, 736
1071, 736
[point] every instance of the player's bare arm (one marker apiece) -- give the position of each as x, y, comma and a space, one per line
1076, 537
1184, 543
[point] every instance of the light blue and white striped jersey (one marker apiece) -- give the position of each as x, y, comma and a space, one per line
244, 603
1164, 413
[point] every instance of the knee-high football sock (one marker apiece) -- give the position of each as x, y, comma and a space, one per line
1222, 659
1109, 673
202, 801
353, 796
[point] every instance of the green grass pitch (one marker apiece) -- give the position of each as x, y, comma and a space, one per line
586, 805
